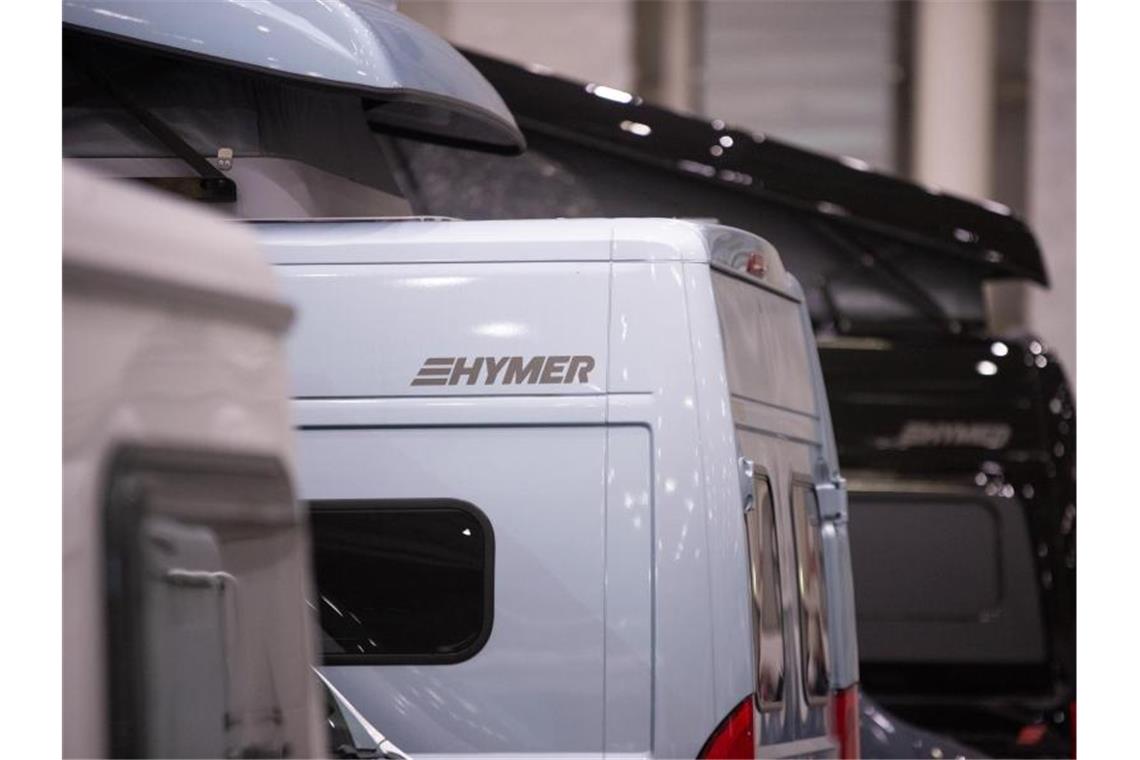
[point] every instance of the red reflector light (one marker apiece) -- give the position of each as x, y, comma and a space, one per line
1031, 734
756, 265
732, 739
845, 721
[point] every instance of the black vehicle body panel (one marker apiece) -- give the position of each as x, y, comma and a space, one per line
920, 413
768, 168
919, 393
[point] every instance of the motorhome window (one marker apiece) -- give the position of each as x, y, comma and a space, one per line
767, 601
445, 181
948, 578
287, 139
402, 581
188, 537
812, 594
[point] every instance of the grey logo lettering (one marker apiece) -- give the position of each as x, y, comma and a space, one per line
924, 434
505, 370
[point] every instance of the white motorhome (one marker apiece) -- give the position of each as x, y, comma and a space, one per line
572, 482
185, 554
572, 485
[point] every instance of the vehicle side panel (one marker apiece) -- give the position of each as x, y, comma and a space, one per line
629, 590
648, 307
773, 411
727, 542
537, 684
369, 329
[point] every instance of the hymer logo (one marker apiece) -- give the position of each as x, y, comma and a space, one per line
505, 370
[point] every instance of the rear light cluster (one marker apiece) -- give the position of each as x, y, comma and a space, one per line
1033, 734
845, 721
732, 739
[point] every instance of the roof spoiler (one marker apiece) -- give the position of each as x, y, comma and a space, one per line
842, 189
410, 79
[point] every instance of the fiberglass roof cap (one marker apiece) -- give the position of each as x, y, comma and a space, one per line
412, 80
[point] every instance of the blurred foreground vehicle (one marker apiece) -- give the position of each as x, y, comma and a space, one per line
185, 553
959, 445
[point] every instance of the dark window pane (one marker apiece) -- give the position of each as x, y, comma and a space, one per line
767, 604
402, 581
813, 597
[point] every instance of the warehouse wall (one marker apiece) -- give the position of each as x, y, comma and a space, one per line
585, 39
821, 74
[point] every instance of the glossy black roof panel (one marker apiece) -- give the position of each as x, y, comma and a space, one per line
841, 189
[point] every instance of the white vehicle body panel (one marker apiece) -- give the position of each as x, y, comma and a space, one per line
622, 610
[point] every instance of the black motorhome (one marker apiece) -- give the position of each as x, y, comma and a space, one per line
959, 445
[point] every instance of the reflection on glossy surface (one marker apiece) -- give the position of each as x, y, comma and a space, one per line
500, 329
350, 734
882, 735
611, 93
636, 127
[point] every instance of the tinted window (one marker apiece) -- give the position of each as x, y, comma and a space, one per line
402, 581
813, 599
945, 578
767, 604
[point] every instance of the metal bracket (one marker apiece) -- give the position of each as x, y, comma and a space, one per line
747, 485
832, 500
210, 185
225, 159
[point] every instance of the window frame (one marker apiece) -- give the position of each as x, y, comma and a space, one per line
761, 474
488, 585
125, 502
801, 480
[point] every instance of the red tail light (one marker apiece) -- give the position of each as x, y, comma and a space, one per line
732, 739
1031, 734
845, 721
1073, 729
